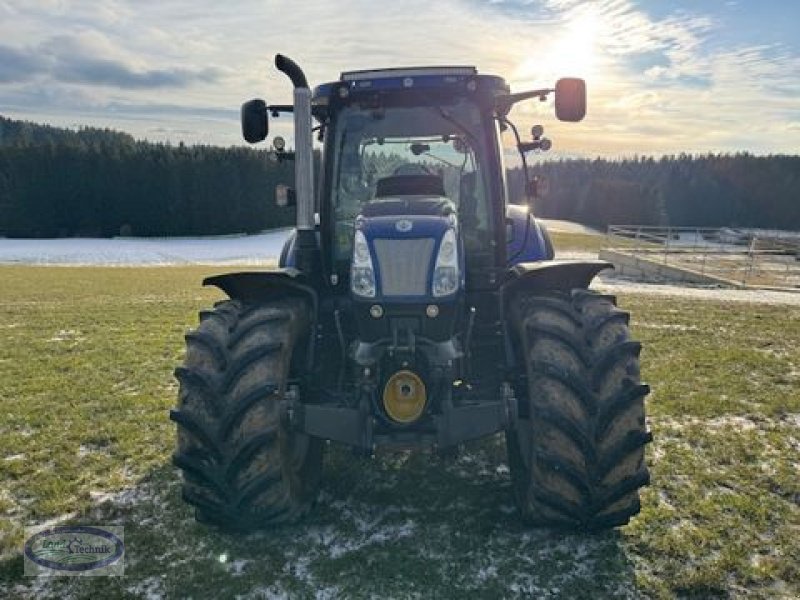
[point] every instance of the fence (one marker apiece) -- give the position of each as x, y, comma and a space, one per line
752, 257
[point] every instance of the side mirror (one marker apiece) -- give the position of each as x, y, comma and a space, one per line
255, 121
284, 196
570, 99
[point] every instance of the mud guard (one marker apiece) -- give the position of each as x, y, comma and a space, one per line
541, 276
255, 286
252, 287
553, 275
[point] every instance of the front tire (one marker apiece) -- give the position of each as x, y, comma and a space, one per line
243, 467
577, 450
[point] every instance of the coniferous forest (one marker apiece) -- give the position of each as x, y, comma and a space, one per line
101, 183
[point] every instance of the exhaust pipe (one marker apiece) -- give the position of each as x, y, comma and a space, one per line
304, 163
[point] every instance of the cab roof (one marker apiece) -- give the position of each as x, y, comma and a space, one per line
450, 78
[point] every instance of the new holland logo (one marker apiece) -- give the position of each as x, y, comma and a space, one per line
403, 225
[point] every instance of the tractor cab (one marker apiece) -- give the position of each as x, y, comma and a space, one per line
418, 144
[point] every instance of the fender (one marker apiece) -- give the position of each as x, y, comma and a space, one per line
256, 286
287, 258
552, 275
541, 276
252, 287
528, 239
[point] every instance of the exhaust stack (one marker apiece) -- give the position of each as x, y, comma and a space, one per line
304, 163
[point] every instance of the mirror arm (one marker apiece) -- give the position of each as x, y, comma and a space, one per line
319, 112
276, 109
504, 103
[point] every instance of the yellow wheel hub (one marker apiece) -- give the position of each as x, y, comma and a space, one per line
404, 397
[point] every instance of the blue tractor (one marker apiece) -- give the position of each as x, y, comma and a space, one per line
413, 307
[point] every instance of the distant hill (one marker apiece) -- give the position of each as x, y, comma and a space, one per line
26, 133
99, 182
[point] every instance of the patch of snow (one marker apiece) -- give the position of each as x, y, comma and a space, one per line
793, 419
609, 285
99, 497
265, 593
14, 457
151, 588
87, 449
667, 326
485, 573
236, 567
739, 422
67, 335
575, 255
261, 249
130, 496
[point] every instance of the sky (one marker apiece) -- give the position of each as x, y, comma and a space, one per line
663, 77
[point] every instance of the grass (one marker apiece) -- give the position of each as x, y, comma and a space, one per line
587, 242
85, 385
571, 242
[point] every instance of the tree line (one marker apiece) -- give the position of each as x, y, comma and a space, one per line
98, 182
715, 190
101, 183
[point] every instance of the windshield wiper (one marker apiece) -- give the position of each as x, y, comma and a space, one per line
453, 121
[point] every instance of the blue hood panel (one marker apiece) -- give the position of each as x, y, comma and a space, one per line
411, 227
403, 227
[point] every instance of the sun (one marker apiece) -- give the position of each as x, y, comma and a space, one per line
573, 51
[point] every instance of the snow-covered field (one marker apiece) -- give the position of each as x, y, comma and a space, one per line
230, 250
258, 249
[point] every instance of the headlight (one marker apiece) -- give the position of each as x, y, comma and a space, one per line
445, 273
362, 273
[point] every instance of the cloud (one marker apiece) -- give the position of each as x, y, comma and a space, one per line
16, 65
74, 59
95, 71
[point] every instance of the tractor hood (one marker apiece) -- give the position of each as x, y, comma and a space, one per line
401, 225
405, 237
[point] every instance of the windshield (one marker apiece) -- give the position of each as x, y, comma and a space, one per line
441, 142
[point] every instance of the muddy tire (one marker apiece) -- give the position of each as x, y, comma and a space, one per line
242, 466
577, 451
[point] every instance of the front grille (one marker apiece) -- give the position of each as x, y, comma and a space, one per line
404, 265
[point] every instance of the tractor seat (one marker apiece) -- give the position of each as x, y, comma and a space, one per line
410, 185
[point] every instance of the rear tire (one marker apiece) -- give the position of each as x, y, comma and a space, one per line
577, 451
243, 467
